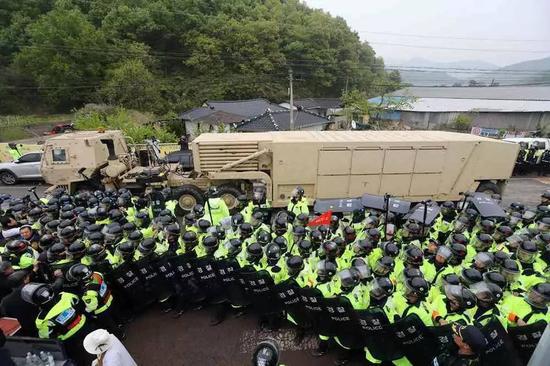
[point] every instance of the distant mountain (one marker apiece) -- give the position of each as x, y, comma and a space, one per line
430, 72
532, 71
427, 78
424, 72
542, 64
464, 64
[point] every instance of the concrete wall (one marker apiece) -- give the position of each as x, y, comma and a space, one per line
527, 121
192, 128
313, 128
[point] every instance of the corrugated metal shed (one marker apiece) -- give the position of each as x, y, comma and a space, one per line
494, 92
477, 105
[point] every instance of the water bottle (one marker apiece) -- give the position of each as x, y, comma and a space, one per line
28, 359
35, 361
43, 357
51, 361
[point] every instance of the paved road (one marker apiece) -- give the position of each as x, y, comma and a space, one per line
157, 339
20, 190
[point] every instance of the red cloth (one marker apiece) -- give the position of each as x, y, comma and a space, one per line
324, 219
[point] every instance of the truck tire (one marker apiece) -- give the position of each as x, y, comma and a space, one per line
187, 197
8, 178
488, 188
230, 195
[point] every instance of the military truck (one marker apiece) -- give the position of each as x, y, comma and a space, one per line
415, 165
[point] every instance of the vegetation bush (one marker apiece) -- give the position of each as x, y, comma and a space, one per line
134, 124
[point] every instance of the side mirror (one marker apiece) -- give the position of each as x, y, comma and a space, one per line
16, 161
81, 170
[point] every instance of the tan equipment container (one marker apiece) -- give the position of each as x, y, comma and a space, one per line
414, 165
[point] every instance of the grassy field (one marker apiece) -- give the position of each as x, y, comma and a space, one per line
21, 127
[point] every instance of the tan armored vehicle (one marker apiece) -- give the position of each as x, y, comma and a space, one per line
414, 165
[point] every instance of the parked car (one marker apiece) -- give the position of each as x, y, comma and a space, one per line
60, 128
27, 167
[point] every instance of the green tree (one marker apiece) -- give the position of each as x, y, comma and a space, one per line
63, 56
70, 52
130, 84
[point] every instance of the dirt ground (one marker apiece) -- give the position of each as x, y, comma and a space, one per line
157, 339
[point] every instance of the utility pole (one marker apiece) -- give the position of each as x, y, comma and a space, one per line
291, 101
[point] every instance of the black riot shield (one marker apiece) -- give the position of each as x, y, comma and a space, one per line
259, 290
378, 334
396, 205
417, 213
313, 302
209, 282
443, 336
486, 206
343, 321
155, 284
288, 293
158, 202
185, 277
338, 205
130, 284
228, 272
500, 348
166, 270
415, 340
526, 338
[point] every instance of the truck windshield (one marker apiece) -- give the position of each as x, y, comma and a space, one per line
110, 148
59, 155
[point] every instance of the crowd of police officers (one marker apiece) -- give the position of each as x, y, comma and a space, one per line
533, 157
369, 280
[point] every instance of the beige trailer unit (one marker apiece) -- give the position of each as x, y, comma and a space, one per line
414, 165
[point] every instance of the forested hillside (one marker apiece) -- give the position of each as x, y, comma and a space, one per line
169, 55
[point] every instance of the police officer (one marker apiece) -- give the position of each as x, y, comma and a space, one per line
531, 308
413, 300
216, 208
298, 202
488, 296
97, 297
469, 344
326, 270
20, 254
61, 317
458, 306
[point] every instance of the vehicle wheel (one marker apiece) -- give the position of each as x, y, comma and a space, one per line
187, 196
230, 195
8, 178
488, 188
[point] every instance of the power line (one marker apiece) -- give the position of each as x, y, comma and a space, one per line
453, 37
296, 62
456, 48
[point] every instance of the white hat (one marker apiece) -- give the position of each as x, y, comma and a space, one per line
98, 341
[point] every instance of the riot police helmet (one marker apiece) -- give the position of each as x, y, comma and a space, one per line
37, 293
79, 273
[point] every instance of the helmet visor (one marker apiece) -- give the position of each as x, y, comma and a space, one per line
377, 292
444, 252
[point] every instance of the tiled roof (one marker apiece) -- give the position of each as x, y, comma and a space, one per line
247, 108
280, 121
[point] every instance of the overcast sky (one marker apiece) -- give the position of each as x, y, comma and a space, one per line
496, 22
